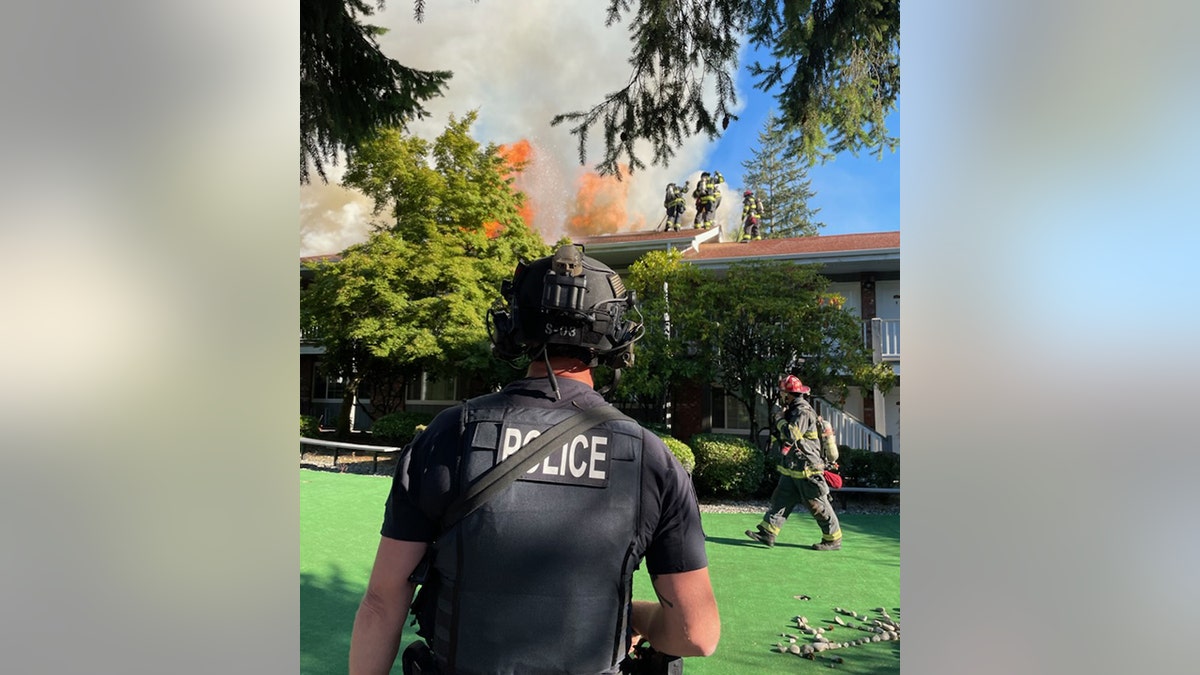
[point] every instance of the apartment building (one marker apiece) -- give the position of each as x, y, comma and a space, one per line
863, 268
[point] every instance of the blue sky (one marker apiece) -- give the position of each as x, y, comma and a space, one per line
854, 194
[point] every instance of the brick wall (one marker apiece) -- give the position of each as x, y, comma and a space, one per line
688, 414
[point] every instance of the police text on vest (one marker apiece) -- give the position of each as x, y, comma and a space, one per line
583, 460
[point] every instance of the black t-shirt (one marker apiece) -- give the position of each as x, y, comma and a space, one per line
669, 535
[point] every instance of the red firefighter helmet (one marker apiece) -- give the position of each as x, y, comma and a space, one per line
792, 385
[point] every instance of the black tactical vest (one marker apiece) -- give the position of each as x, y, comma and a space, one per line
538, 580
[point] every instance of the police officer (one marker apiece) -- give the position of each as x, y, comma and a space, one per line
539, 578
802, 472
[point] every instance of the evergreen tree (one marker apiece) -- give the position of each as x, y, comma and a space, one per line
780, 179
835, 68
835, 65
348, 88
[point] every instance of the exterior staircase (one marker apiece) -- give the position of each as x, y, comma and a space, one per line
849, 430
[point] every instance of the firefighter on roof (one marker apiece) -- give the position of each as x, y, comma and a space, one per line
674, 203
706, 196
752, 208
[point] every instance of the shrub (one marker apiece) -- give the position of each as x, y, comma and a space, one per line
681, 451
863, 468
885, 469
854, 466
726, 466
399, 428
309, 426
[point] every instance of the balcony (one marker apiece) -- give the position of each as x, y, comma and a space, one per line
309, 342
884, 339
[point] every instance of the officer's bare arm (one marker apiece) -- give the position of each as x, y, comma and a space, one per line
380, 618
684, 621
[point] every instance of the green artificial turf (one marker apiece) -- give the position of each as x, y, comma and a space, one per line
756, 587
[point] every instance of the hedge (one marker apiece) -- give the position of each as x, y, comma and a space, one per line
726, 466
682, 452
863, 468
309, 426
399, 428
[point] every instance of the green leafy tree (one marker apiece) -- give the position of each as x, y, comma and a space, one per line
743, 330
362, 314
348, 88
668, 352
415, 295
775, 318
780, 179
834, 71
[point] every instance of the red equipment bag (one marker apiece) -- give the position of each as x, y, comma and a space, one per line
834, 480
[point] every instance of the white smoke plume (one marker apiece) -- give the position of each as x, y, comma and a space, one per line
519, 68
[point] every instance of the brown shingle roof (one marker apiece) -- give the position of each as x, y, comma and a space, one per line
834, 243
328, 257
626, 237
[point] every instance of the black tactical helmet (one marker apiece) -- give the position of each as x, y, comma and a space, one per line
568, 303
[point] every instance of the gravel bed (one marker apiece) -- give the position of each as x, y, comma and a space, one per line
349, 463
853, 505
362, 464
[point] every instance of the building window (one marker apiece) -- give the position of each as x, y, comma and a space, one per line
430, 388
326, 387
727, 411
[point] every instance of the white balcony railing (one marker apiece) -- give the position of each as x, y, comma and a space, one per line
885, 338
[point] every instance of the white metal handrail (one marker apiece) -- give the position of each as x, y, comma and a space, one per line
338, 446
849, 430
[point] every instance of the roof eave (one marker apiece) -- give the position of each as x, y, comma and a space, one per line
825, 258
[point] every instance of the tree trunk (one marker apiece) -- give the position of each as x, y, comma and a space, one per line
349, 400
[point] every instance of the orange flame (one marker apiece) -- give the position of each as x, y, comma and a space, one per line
492, 229
600, 206
518, 156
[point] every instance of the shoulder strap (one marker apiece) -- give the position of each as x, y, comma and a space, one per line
503, 474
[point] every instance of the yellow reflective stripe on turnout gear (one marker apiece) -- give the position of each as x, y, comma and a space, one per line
811, 434
796, 473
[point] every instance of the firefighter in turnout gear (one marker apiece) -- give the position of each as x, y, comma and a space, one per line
706, 197
674, 203
718, 182
536, 576
752, 208
802, 471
